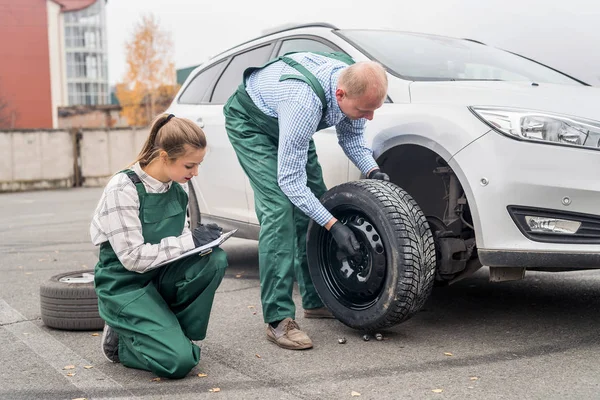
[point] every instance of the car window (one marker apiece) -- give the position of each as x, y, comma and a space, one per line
195, 91
303, 45
419, 57
232, 76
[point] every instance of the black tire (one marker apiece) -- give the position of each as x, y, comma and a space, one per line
398, 268
193, 207
68, 301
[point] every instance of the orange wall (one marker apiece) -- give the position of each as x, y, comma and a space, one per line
25, 62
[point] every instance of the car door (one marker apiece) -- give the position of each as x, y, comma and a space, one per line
331, 156
222, 179
194, 103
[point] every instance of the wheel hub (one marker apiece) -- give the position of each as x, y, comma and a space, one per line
357, 283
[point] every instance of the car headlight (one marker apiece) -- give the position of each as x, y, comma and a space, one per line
541, 127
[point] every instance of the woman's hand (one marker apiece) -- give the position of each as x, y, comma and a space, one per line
205, 234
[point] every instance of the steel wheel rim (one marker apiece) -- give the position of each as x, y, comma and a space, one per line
83, 277
356, 285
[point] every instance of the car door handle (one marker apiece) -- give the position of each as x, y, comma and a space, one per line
200, 122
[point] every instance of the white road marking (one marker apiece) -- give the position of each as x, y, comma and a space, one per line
91, 381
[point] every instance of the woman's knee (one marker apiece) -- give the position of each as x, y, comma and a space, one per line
181, 366
179, 363
210, 266
218, 258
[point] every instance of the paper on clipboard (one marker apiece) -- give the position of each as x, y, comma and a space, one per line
202, 250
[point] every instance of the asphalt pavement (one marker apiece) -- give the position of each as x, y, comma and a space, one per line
538, 338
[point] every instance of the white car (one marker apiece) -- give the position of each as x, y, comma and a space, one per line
499, 152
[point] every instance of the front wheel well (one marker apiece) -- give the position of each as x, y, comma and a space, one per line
428, 178
432, 183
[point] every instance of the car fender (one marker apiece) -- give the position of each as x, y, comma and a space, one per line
443, 136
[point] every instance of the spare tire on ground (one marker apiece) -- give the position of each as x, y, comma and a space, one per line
396, 274
68, 301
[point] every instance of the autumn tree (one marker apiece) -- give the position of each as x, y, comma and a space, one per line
150, 81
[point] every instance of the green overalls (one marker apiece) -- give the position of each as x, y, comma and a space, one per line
156, 313
282, 239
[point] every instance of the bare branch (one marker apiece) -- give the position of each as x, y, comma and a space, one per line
7, 116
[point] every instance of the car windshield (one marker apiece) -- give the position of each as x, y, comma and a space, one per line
426, 57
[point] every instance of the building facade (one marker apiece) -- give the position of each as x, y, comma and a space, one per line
86, 55
53, 55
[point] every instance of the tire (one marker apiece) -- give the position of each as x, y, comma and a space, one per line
68, 301
397, 272
193, 207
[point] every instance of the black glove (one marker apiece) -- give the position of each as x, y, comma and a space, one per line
214, 227
345, 239
204, 234
377, 174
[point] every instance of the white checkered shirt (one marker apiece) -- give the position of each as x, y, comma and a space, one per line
117, 221
299, 111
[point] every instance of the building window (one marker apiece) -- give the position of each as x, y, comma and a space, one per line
86, 55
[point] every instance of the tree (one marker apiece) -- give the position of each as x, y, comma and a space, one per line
7, 117
150, 73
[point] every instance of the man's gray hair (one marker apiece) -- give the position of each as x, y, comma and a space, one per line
362, 77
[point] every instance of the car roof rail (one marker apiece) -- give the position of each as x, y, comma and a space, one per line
290, 26
475, 41
279, 29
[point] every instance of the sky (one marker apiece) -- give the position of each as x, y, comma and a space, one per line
562, 34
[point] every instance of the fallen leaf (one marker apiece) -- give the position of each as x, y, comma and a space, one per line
254, 313
88, 367
71, 374
474, 378
202, 375
155, 379
69, 367
469, 387
354, 394
214, 390
238, 276
257, 355
448, 354
95, 334
250, 306
25, 333
83, 266
28, 273
41, 259
437, 390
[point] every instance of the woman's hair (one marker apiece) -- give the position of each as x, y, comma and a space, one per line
170, 134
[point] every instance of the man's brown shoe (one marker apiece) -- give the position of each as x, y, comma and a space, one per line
320, 312
289, 336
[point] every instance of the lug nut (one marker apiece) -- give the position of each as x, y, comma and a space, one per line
366, 338
379, 336
342, 340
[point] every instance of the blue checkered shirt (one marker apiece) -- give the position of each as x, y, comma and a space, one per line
299, 111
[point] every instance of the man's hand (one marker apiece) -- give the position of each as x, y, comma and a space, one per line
345, 239
205, 234
377, 174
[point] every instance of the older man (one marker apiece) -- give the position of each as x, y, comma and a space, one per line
270, 121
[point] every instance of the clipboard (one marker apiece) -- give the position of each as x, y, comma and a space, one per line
202, 250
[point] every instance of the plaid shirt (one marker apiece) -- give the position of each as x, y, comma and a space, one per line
299, 112
117, 221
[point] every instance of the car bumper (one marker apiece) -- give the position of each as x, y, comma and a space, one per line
538, 259
499, 174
